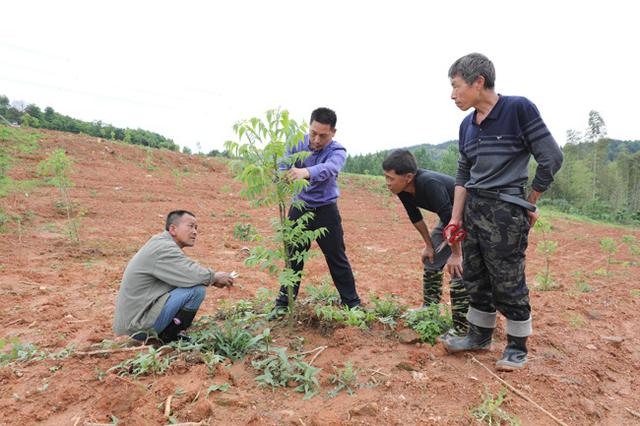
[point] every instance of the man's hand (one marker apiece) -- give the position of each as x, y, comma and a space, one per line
223, 279
427, 253
457, 224
295, 173
454, 265
533, 198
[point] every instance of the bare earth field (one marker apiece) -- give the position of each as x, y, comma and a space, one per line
584, 355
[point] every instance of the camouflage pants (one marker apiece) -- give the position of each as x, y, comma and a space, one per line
432, 284
494, 258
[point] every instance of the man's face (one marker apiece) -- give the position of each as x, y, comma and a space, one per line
184, 232
463, 94
397, 183
320, 135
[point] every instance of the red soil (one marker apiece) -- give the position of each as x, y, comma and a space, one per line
584, 354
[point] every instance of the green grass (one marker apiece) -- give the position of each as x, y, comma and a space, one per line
550, 213
22, 140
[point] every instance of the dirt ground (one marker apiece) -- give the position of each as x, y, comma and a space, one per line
584, 354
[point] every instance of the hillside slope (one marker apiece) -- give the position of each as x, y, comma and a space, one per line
584, 359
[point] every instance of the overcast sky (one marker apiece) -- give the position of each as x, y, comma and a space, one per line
188, 70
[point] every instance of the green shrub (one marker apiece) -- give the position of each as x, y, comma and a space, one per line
429, 322
231, 340
355, 317
144, 363
325, 293
280, 370
245, 232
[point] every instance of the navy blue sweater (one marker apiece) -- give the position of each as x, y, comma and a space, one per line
496, 153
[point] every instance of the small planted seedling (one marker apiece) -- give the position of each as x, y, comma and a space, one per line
429, 322
609, 247
245, 232
18, 351
345, 378
145, 363
388, 310
58, 166
231, 340
490, 410
282, 370
355, 317
547, 248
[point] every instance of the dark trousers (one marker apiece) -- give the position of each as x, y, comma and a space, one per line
332, 246
494, 257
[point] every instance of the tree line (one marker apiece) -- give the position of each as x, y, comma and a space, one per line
30, 115
599, 178
441, 158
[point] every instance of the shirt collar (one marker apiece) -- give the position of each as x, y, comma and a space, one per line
494, 114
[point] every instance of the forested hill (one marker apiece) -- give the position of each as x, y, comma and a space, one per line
598, 179
32, 116
442, 158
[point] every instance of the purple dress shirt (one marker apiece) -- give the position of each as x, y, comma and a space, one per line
323, 166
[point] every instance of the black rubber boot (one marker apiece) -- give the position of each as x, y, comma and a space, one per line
431, 287
514, 356
182, 321
459, 306
477, 339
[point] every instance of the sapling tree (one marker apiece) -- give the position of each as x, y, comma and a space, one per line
263, 152
545, 247
57, 166
610, 247
632, 242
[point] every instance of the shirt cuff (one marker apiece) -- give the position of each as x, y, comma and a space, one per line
313, 173
212, 277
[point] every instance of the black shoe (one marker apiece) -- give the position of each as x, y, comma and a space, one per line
477, 339
182, 321
514, 356
182, 336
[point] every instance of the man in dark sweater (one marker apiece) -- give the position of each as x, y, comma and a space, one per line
432, 191
496, 141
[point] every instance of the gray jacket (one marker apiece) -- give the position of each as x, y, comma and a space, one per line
159, 267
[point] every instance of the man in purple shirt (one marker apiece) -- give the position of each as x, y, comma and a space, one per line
321, 169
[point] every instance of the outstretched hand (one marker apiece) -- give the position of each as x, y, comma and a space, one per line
296, 173
223, 279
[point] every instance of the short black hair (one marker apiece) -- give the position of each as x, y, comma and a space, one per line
400, 161
324, 116
472, 66
174, 216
